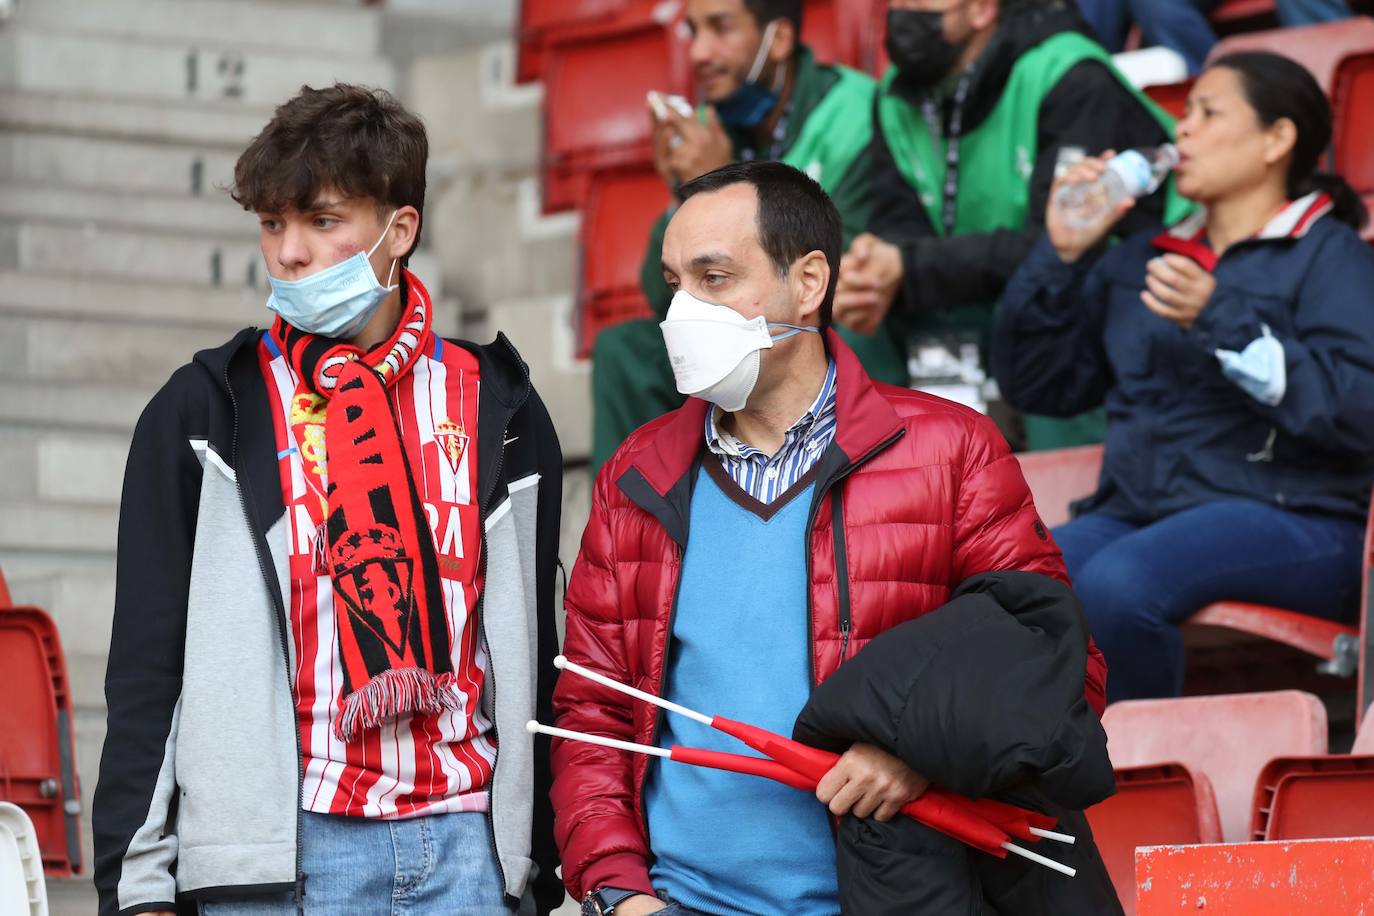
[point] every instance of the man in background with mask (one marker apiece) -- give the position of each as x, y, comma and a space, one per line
743, 546
983, 98
765, 97
334, 536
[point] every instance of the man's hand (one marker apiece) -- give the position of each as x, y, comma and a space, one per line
867, 780
638, 905
1177, 288
870, 273
684, 148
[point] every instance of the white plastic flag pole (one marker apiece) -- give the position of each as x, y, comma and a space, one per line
561, 663
534, 728
1052, 835
1039, 859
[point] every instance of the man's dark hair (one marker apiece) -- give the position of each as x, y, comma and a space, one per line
358, 141
765, 11
795, 217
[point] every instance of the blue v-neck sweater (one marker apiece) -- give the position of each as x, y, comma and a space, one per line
726, 843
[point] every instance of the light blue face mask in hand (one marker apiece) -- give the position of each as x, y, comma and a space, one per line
336, 302
1259, 370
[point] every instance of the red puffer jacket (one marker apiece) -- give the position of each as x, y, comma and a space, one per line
930, 495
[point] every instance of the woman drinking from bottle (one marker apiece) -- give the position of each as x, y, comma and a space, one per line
1234, 353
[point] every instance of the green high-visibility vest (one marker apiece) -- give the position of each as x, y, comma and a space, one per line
996, 160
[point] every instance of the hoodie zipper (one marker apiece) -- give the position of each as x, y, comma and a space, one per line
482, 629
269, 578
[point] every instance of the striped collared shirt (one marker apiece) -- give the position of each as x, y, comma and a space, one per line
762, 477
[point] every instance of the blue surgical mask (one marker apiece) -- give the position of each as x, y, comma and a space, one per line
748, 105
336, 302
1260, 370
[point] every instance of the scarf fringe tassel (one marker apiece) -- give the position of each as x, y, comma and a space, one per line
396, 692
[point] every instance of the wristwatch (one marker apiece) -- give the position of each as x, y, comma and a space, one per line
604, 900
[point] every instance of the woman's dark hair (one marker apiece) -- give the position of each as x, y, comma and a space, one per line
1277, 87
795, 217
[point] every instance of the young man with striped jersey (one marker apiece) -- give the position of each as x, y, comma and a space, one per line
336, 536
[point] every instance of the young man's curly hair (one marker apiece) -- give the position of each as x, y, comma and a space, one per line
351, 139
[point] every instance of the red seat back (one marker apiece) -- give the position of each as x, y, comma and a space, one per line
595, 114
1319, 48
1227, 738
1352, 104
1312, 797
542, 20
1153, 805
1172, 97
37, 763
1058, 477
621, 208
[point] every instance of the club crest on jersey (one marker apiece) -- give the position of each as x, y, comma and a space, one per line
453, 442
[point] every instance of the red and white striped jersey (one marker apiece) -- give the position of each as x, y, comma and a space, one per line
415, 764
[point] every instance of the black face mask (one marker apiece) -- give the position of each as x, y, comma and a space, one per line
917, 45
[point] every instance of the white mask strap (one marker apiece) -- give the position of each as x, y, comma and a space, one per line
764, 47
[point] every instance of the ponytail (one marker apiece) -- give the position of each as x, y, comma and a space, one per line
1347, 206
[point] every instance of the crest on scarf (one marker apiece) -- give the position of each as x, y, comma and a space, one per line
373, 575
453, 442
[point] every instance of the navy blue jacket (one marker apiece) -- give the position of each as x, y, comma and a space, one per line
1179, 433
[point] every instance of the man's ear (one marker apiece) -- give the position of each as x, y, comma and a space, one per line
405, 228
784, 42
983, 13
811, 273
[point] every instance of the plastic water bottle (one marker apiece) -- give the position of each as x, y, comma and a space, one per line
1132, 174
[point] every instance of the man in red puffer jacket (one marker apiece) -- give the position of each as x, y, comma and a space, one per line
713, 570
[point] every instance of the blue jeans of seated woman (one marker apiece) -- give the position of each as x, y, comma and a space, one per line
443, 863
1138, 582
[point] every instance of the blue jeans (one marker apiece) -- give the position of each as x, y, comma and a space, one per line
1138, 582
443, 863
1182, 24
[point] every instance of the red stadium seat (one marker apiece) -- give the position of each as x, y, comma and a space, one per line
620, 210
541, 20
595, 114
1171, 96
1153, 805
1319, 48
1057, 478
1231, 14
839, 31
37, 762
1228, 738
1304, 798
1352, 102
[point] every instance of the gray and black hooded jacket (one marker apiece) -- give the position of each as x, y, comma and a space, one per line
199, 791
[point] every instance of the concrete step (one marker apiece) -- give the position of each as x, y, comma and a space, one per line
112, 253
63, 466
28, 525
43, 404
478, 119
80, 604
174, 70
225, 126
541, 329
495, 246
64, 294
313, 27
114, 165
214, 216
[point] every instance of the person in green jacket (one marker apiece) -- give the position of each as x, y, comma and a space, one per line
766, 98
982, 103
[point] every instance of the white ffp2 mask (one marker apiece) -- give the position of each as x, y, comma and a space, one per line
714, 350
